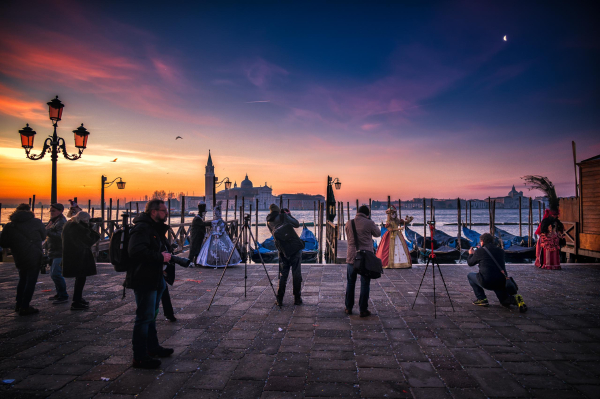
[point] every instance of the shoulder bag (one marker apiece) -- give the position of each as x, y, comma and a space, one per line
511, 284
366, 263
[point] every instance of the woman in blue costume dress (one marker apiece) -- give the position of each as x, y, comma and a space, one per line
218, 245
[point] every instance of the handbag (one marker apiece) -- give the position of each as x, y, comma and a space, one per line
286, 239
511, 285
365, 262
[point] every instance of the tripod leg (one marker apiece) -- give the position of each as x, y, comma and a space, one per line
422, 278
440, 270
263, 263
223, 274
433, 262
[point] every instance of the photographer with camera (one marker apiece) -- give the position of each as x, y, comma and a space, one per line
78, 260
290, 252
54, 244
492, 274
365, 230
149, 250
24, 235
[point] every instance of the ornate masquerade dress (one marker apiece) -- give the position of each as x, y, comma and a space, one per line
392, 249
218, 245
548, 251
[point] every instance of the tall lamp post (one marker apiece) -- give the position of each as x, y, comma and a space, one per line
54, 143
331, 204
120, 186
217, 183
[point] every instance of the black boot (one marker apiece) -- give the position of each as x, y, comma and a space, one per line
298, 300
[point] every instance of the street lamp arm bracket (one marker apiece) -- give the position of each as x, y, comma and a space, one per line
62, 145
47, 145
112, 182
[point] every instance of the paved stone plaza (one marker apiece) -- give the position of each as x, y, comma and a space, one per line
245, 347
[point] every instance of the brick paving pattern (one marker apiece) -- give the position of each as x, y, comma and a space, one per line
245, 347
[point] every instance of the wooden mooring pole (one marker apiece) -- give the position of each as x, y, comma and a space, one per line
226, 209
529, 228
315, 216
321, 219
348, 206
256, 220
389, 202
424, 222
520, 226
33, 203
458, 214
399, 208
235, 208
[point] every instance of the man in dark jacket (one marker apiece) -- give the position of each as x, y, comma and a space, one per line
366, 229
54, 230
148, 246
197, 232
24, 235
276, 219
491, 275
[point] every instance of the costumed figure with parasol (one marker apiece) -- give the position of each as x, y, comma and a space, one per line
550, 229
218, 245
392, 249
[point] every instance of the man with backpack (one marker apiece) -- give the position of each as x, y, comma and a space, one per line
289, 245
366, 229
492, 274
148, 251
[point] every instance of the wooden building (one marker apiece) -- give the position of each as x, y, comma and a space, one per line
581, 215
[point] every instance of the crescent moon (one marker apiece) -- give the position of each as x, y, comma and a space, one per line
504, 37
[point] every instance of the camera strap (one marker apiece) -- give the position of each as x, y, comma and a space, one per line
355, 235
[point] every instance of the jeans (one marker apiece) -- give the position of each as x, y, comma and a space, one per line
26, 286
78, 289
365, 288
57, 277
294, 262
145, 337
166, 302
479, 291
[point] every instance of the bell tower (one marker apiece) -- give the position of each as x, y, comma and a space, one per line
209, 180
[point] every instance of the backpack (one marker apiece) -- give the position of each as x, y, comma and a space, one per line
286, 239
118, 251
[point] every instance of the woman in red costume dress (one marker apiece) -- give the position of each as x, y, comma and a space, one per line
392, 249
548, 247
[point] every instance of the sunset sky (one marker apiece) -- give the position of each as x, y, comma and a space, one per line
404, 99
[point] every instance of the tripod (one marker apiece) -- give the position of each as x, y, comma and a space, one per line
245, 228
434, 262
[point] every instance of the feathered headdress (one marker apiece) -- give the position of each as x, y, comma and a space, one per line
543, 184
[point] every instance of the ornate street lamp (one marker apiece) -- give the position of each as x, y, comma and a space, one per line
120, 186
54, 143
216, 184
331, 204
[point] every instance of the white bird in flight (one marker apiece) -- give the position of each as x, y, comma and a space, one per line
504, 37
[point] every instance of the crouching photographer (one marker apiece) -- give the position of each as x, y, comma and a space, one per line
149, 251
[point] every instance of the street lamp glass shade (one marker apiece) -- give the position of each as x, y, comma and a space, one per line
338, 185
27, 135
55, 108
120, 184
81, 137
227, 185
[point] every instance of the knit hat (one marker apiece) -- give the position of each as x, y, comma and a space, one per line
364, 210
59, 207
274, 208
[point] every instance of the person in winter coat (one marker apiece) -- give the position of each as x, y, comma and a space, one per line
365, 230
198, 232
275, 219
54, 230
24, 235
149, 250
78, 260
491, 275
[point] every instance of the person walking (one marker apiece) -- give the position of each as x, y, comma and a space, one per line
275, 219
54, 230
149, 251
78, 260
366, 229
24, 235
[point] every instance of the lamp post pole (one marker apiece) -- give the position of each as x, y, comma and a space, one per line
120, 186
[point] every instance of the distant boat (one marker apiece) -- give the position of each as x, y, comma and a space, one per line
270, 254
443, 252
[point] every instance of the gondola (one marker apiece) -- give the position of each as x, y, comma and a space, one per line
443, 252
269, 253
512, 253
